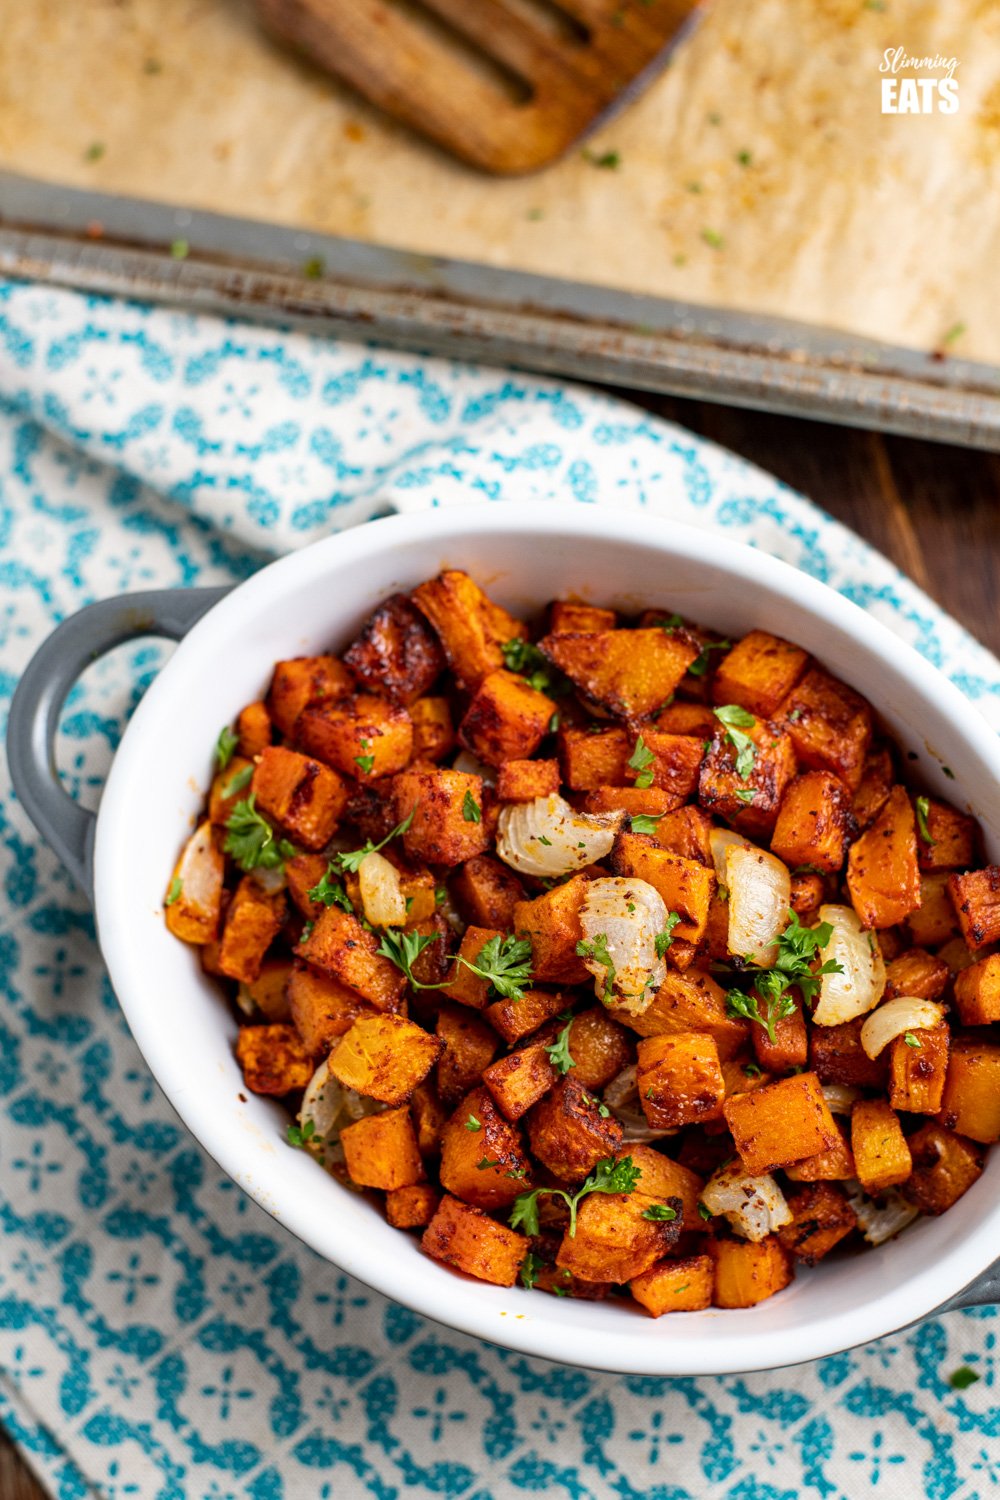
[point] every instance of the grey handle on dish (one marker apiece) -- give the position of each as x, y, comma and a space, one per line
42, 691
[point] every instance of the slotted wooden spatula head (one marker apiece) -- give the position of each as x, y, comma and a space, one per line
507, 85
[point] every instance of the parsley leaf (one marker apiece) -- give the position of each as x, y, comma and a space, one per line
641, 760
910, 1039
744, 794
225, 747
506, 963
403, 949
250, 839
665, 938
737, 719
301, 1135
352, 859
962, 1378
645, 822
472, 1123
923, 807
529, 1271
700, 665
365, 762
471, 811
175, 891
704, 1212
797, 947
559, 1053
238, 782
609, 1176
330, 892
659, 1213
670, 625
598, 951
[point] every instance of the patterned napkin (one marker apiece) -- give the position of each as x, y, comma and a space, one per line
160, 1336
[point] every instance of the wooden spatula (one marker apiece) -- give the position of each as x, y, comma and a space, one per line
507, 85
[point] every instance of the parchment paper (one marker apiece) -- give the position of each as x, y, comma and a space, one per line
757, 173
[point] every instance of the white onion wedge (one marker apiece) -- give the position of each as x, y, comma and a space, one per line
471, 765
622, 1096
760, 890
381, 892
622, 917
328, 1107
895, 1018
840, 1097
547, 837
194, 900
719, 840
882, 1220
754, 1206
859, 987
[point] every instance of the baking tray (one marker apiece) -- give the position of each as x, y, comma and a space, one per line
121, 246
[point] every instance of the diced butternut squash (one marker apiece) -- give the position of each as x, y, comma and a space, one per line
569, 1135
808, 894
881, 1155
253, 726
790, 1048
750, 802
781, 1123
649, 801
433, 731
364, 737
613, 1241
469, 1240
411, 1207
812, 822
759, 672
971, 1100
952, 839
837, 1056
516, 1019
976, 898
448, 826
486, 892
883, 877
748, 1273
552, 924
506, 720
685, 885
836, 1164
676, 764
384, 1057
679, 1079
482, 1158
821, 1218
301, 682
303, 796
594, 757
268, 993
599, 1047
471, 628
877, 781
303, 874
273, 1059
470, 1045
830, 726
945, 1166
918, 1063
934, 922
567, 617
519, 1080
380, 1151
916, 972
342, 948
322, 1009
524, 780
463, 985
396, 653
629, 672
694, 719
193, 902
675, 1285
429, 1116
663, 1179
977, 992
691, 1001
253, 919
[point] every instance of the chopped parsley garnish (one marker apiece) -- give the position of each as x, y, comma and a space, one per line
665, 938
179, 249
744, 158
504, 962
238, 782
910, 1039
703, 1211
714, 238
365, 762
330, 892
737, 719
674, 623
297, 1135
94, 151
641, 760
609, 1176
529, 1271
471, 810
797, 947
440, 895
535, 668
659, 1213
751, 1070
598, 951
609, 160
547, 842
962, 1378
484, 1164
314, 268
701, 663
472, 1123
175, 891
225, 747
351, 860
553, 723
251, 841
923, 807
559, 1053
645, 822
744, 794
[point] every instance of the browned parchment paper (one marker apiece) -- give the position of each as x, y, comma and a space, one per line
757, 173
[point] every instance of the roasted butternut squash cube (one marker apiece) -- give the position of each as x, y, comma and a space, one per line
469, 1240
429, 1116
679, 1079
524, 780
552, 923
945, 1166
830, 726
516, 1019
471, 628
303, 796
569, 1135
411, 1207
812, 824
433, 731
634, 800
749, 802
629, 672
747, 1273
448, 825
380, 1151
953, 841
675, 1285
303, 874
482, 1158
694, 719
833, 1165
486, 892
934, 922
808, 893
342, 948
519, 1080
759, 673
396, 653
916, 972
821, 1218
917, 1069
686, 831
790, 1048
665, 1179
781, 1123
463, 985
567, 617
613, 1241
364, 737
301, 682
883, 877
837, 1056
676, 764
976, 898
881, 1155
268, 993
253, 919
384, 1057
971, 1100
253, 726
599, 1047
977, 992
877, 781
193, 904
470, 1045
321, 1008
273, 1059
594, 757
691, 1001
506, 720
685, 884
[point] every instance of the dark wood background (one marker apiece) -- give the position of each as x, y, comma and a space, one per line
934, 511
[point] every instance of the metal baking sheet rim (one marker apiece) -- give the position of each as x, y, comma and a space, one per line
105, 244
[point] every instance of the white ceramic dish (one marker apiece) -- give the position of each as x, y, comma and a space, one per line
524, 555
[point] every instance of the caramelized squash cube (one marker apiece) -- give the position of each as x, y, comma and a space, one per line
380, 1151
193, 905
482, 1158
273, 1059
812, 824
363, 737
679, 1079
830, 726
752, 802
685, 885
934, 922
303, 796
469, 1240
945, 1166
747, 1273
506, 720
591, 760
569, 1135
686, 831
463, 985
691, 1001
613, 1242
976, 898
954, 838
519, 1080
303, 874
675, 1285
429, 1116
396, 653
821, 1218
759, 672
411, 1207
837, 1056
342, 948
599, 1047
790, 1048
633, 800
883, 877
301, 682
917, 1072
693, 719
676, 764
881, 1155
469, 1046
781, 1123
877, 781
916, 972
486, 892
268, 993
524, 780
448, 824
833, 1165
384, 1058
808, 893
252, 922
552, 923
977, 992
516, 1019
628, 672
433, 731
322, 1009
253, 726
971, 1100
471, 628
665, 1179
567, 617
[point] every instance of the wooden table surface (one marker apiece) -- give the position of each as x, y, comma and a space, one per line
935, 511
